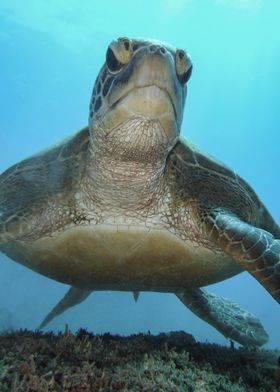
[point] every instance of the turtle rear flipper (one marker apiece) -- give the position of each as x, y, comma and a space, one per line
227, 317
255, 249
74, 296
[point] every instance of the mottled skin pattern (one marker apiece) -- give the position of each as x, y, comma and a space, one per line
125, 204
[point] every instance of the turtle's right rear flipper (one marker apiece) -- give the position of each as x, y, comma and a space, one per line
74, 296
227, 317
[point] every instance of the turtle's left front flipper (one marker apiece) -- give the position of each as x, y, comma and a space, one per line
256, 250
74, 296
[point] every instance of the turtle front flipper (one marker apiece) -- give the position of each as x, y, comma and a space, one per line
74, 296
227, 317
255, 249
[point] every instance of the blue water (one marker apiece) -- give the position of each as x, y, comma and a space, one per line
50, 53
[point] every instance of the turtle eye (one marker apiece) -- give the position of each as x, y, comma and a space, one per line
112, 62
183, 66
118, 54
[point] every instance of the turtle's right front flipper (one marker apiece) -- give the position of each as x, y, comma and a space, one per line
74, 296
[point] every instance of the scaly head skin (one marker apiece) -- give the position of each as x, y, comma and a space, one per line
141, 82
135, 117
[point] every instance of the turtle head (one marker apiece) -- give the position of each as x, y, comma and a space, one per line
144, 81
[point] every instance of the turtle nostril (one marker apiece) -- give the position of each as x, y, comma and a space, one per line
153, 48
157, 48
126, 44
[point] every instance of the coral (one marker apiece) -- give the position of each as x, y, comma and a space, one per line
174, 362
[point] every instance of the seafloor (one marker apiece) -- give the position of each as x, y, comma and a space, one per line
82, 362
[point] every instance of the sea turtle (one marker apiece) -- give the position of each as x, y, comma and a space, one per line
128, 204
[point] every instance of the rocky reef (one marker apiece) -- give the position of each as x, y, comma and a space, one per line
174, 362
